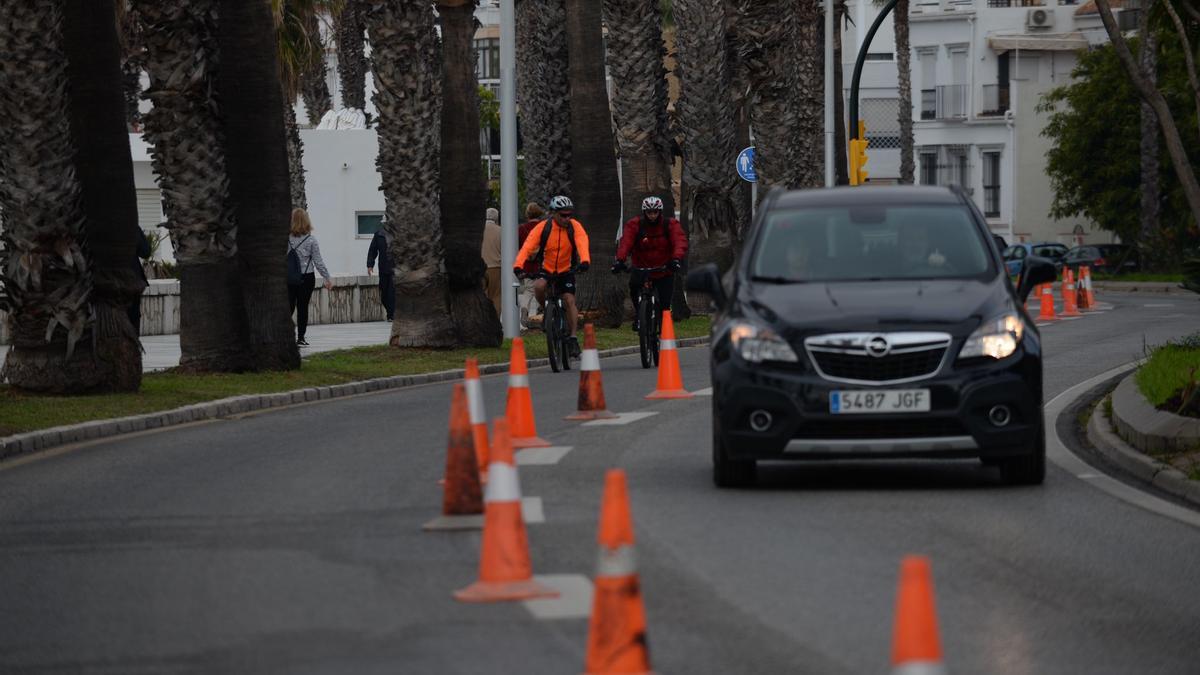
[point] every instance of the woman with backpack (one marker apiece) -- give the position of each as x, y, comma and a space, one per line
303, 254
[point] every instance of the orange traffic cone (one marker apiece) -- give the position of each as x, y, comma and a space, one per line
478, 415
520, 401
1087, 286
1046, 291
670, 380
916, 649
462, 499
1070, 305
591, 385
1081, 297
505, 572
617, 631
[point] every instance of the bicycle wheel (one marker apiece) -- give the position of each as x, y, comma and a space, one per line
646, 342
550, 328
656, 326
564, 343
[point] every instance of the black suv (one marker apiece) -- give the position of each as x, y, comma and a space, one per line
873, 323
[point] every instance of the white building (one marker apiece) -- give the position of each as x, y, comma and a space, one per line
979, 69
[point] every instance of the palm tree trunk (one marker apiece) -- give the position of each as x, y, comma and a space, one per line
462, 180
1149, 155
295, 158
352, 62
543, 85
769, 42
313, 87
409, 98
188, 153
597, 190
131, 64
840, 153
808, 139
904, 66
105, 171
257, 162
44, 264
635, 58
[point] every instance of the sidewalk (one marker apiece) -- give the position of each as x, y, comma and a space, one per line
162, 351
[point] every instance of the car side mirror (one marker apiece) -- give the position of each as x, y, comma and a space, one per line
707, 279
1035, 272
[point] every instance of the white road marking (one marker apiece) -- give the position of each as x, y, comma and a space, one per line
531, 509
703, 392
1160, 304
573, 602
620, 420
1089, 476
542, 456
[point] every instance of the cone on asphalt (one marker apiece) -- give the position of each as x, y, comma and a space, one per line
916, 648
462, 496
591, 384
1070, 302
478, 415
505, 571
617, 630
670, 379
1046, 291
520, 402
1086, 275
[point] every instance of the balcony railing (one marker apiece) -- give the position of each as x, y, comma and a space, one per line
995, 100
1015, 3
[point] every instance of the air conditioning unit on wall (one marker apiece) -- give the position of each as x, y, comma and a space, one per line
1039, 17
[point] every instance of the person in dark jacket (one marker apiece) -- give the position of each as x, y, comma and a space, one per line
387, 287
534, 214
654, 241
143, 253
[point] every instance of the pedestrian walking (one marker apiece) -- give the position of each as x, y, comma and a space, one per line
527, 302
381, 248
304, 253
490, 252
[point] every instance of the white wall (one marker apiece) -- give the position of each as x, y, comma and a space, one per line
342, 180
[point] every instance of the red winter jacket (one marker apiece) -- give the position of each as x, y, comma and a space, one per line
651, 245
531, 266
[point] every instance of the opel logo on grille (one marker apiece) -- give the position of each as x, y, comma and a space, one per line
878, 346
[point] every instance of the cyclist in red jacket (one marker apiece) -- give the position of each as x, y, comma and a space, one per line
654, 240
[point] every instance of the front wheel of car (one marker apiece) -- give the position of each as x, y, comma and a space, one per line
730, 473
1027, 469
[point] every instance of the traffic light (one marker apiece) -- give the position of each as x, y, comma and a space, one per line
858, 161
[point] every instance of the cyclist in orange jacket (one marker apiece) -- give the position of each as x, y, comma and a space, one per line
560, 245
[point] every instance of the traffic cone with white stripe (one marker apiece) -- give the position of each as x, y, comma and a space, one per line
1046, 291
520, 401
1087, 286
505, 571
617, 631
1080, 296
1070, 303
916, 648
462, 498
478, 415
670, 379
591, 385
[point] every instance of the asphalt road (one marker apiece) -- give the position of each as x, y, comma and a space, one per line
291, 542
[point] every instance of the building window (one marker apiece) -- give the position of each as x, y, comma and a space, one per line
487, 63
929, 168
368, 223
991, 184
880, 56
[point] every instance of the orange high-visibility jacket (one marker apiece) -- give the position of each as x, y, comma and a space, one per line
557, 256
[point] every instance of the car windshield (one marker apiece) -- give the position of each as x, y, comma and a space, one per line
926, 241
1050, 251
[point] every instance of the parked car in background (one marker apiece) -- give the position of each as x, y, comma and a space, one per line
1104, 258
1001, 245
1015, 255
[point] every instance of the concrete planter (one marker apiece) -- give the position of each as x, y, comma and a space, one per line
1148, 429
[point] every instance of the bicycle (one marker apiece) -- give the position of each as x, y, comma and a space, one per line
648, 317
554, 325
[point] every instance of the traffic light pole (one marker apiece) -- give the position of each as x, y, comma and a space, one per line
858, 66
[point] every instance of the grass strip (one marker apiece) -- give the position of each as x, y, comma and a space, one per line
21, 412
1167, 372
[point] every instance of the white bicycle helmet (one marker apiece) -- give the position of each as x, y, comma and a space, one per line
561, 203
652, 204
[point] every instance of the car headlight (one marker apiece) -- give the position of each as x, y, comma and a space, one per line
757, 344
996, 338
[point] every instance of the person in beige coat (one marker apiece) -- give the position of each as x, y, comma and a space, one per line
490, 252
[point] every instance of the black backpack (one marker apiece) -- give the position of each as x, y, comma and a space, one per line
549, 225
295, 275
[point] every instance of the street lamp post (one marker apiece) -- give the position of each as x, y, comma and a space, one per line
509, 208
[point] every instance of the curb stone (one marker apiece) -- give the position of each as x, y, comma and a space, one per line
1134, 463
44, 439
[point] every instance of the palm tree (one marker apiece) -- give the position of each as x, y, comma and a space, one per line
808, 142
543, 85
45, 267
188, 154
313, 86
462, 181
596, 189
352, 61
131, 63
408, 98
904, 71
707, 123
635, 57
250, 95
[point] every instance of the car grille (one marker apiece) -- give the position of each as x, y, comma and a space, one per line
863, 429
878, 358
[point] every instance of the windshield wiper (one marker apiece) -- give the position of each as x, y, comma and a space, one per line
776, 280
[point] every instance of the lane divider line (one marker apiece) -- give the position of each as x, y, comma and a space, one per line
620, 420
708, 391
531, 509
574, 599
542, 456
